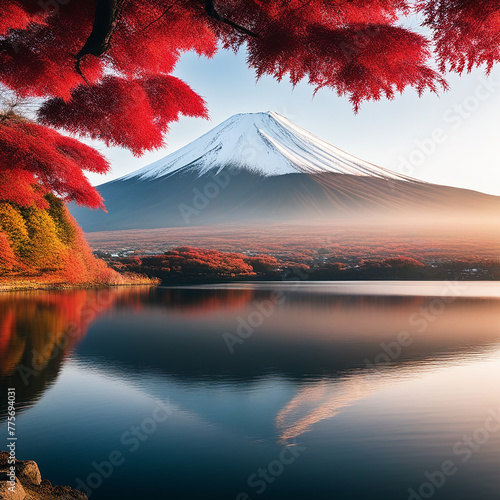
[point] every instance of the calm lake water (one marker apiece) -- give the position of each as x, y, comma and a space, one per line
270, 391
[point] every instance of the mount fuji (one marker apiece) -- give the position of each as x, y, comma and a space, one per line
264, 143
260, 167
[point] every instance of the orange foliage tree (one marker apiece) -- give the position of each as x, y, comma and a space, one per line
7, 257
47, 242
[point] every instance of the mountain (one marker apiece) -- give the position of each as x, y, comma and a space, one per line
260, 167
263, 143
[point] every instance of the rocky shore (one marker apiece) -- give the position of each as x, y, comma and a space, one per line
28, 484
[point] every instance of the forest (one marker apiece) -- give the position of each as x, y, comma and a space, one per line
183, 265
45, 246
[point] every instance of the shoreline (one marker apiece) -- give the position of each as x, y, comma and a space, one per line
33, 285
30, 285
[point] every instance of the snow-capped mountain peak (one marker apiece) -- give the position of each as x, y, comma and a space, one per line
286, 175
265, 143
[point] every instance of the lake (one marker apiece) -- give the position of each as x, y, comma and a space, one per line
297, 391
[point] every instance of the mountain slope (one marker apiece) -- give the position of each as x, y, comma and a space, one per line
259, 168
264, 143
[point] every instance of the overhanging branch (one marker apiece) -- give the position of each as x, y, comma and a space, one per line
106, 16
105, 20
212, 12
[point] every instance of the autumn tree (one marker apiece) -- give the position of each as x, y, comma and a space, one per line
7, 257
262, 263
392, 268
43, 242
43, 249
13, 226
466, 33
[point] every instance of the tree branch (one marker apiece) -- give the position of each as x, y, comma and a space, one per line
212, 12
162, 14
105, 19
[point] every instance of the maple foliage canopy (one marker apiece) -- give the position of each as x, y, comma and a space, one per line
101, 69
35, 160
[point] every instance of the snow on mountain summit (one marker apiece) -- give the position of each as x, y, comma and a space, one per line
265, 143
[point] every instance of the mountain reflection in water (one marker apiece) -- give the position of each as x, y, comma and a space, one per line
321, 368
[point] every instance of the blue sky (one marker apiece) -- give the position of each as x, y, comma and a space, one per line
451, 139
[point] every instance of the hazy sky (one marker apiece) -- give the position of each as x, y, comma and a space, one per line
451, 139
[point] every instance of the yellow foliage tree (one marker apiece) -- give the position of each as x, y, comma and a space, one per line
44, 249
47, 242
12, 224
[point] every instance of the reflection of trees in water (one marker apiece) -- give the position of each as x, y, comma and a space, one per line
30, 384
190, 301
38, 330
33, 324
198, 302
310, 337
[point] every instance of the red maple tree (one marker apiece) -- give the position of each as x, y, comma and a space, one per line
101, 69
